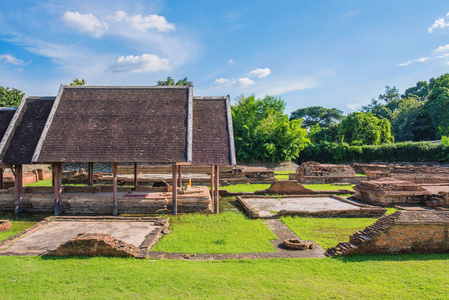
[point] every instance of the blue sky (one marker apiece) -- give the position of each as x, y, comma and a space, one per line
329, 53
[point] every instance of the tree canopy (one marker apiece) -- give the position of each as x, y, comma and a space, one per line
10, 97
76, 82
170, 82
317, 115
361, 128
263, 132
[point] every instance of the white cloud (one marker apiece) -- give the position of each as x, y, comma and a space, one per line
259, 73
10, 59
230, 61
143, 23
355, 106
221, 81
145, 63
85, 23
242, 82
440, 23
442, 48
282, 88
423, 59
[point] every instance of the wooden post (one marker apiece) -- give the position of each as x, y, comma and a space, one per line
91, 173
1, 178
114, 188
57, 186
217, 192
179, 177
174, 190
18, 189
212, 170
135, 175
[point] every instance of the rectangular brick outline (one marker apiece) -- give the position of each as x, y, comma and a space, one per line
365, 211
152, 238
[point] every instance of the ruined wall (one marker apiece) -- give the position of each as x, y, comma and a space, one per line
315, 173
401, 232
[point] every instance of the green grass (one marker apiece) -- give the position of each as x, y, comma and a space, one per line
18, 224
228, 232
329, 187
47, 182
326, 232
246, 188
356, 277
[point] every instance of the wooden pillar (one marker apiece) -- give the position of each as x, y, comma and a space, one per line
179, 177
212, 171
18, 189
114, 188
90, 168
217, 192
1, 178
174, 191
135, 175
57, 186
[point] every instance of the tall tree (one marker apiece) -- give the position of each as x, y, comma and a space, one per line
437, 104
263, 132
421, 90
76, 82
317, 115
361, 128
171, 82
385, 105
10, 97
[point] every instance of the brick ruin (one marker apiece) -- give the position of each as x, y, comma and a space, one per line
388, 192
28, 177
293, 187
97, 200
312, 172
401, 232
5, 225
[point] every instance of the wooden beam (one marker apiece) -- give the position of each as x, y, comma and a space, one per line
57, 186
179, 177
183, 163
1, 178
217, 191
18, 189
90, 173
135, 175
174, 191
114, 188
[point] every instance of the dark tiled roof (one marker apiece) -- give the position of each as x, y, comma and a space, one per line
211, 135
22, 140
118, 124
6, 114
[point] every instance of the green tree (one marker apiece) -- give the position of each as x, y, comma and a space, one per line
77, 82
385, 105
317, 134
361, 128
171, 82
263, 132
317, 115
421, 90
10, 97
437, 104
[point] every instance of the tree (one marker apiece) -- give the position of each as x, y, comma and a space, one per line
263, 132
77, 82
437, 104
317, 115
171, 82
317, 134
10, 97
385, 105
421, 90
361, 128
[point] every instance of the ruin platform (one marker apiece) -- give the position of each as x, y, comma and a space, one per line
305, 205
139, 233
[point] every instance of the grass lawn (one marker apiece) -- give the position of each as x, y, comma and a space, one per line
47, 182
326, 232
282, 175
329, 187
356, 277
228, 232
18, 224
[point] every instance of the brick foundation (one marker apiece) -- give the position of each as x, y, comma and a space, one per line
5, 225
401, 232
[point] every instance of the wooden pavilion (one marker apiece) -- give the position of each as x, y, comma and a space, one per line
118, 124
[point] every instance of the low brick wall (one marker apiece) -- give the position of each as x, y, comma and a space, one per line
325, 180
85, 201
5, 225
401, 232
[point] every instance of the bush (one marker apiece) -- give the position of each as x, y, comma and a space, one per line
326, 152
